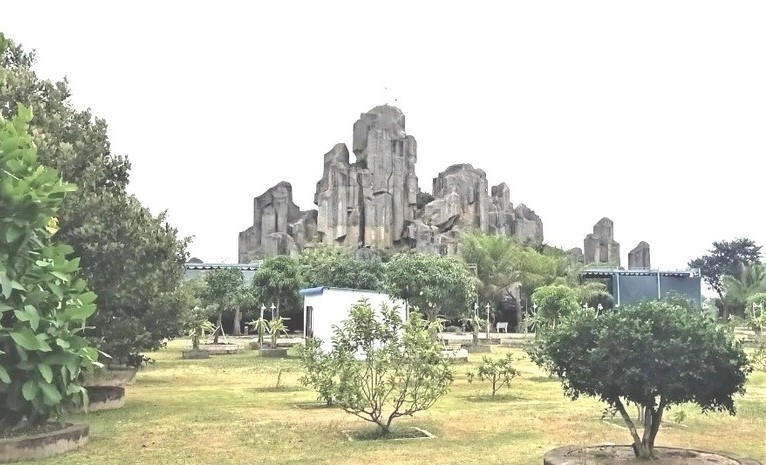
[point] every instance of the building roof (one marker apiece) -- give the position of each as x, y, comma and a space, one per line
595, 272
319, 290
223, 266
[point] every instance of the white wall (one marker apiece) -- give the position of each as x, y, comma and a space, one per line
332, 306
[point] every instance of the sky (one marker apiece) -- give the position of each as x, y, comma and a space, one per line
650, 113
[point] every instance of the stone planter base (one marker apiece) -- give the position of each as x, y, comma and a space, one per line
221, 349
278, 352
43, 445
105, 398
616, 455
477, 349
194, 354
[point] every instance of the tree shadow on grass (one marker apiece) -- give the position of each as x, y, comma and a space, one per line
410, 432
280, 389
543, 379
496, 398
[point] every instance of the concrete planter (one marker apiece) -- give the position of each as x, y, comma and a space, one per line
273, 353
38, 446
221, 349
105, 397
477, 349
616, 455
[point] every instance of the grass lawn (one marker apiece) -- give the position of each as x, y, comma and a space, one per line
229, 410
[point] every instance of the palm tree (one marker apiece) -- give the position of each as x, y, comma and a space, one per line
752, 279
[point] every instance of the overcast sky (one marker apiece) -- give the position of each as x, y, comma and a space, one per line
651, 113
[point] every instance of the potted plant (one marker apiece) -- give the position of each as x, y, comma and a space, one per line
275, 327
197, 324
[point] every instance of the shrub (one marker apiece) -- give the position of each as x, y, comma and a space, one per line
498, 372
380, 367
656, 354
43, 302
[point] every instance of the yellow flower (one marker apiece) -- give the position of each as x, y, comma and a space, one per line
53, 225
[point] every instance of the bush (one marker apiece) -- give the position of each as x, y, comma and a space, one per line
43, 302
380, 368
498, 372
656, 354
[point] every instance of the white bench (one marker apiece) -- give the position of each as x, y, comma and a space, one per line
502, 325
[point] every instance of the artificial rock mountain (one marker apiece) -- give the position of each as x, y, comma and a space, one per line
375, 202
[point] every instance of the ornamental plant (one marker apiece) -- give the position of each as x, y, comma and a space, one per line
44, 304
380, 367
498, 372
655, 355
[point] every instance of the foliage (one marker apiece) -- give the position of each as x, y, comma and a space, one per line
499, 372
553, 303
276, 327
197, 323
278, 280
336, 267
44, 302
222, 293
261, 327
750, 280
131, 259
422, 199
476, 322
726, 258
432, 283
380, 367
656, 354
318, 372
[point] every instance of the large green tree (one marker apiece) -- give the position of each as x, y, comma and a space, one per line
436, 285
726, 258
277, 281
655, 355
222, 294
337, 267
133, 259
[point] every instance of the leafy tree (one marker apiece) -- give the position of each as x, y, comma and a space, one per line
336, 267
132, 259
222, 294
278, 280
318, 372
553, 303
750, 280
44, 302
381, 368
499, 372
726, 258
655, 354
434, 284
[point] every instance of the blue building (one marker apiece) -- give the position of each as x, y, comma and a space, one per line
632, 286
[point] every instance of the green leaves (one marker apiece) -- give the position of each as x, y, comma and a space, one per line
26, 339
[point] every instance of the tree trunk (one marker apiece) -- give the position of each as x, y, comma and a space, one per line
218, 327
237, 322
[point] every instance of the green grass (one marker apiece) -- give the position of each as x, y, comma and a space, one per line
229, 410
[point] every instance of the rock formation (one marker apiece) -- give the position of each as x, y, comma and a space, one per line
639, 257
372, 202
600, 246
279, 226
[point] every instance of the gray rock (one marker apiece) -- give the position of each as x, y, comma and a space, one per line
471, 187
527, 226
576, 255
275, 213
600, 246
639, 257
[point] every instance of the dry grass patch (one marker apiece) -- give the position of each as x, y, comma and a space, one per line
227, 410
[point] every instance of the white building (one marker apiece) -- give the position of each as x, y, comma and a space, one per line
325, 307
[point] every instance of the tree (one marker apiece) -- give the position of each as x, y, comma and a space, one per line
499, 372
381, 368
434, 284
750, 280
122, 246
278, 280
655, 354
222, 294
553, 303
726, 258
44, 302
336, 267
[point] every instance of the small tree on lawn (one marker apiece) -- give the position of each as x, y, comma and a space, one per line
43, 301
499, 372
380, 368
553, 303
656, 354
